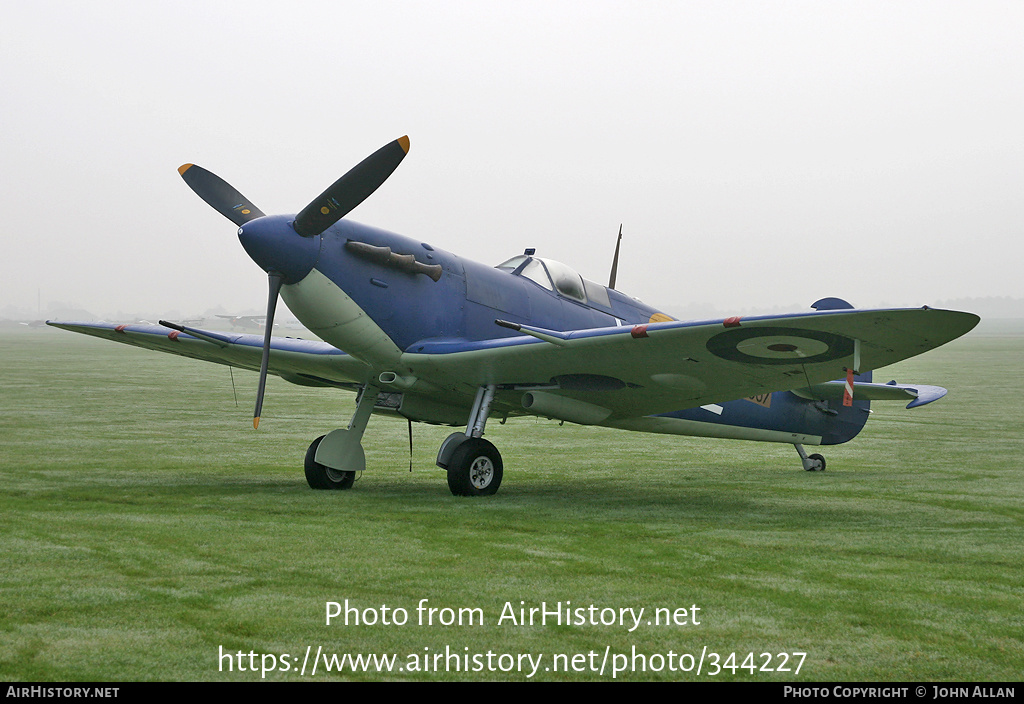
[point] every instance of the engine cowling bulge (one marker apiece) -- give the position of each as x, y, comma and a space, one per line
410, 290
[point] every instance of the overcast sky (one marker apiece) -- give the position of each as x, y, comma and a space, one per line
757, 154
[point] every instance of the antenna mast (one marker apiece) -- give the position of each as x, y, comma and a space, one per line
615, 260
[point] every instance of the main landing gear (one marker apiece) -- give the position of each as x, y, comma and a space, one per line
473, 464
332, 460
812, 463
320, 476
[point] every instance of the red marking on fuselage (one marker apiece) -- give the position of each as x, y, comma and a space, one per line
119, 328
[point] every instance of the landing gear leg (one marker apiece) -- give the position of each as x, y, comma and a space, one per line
474, 464
812, 463
332, 460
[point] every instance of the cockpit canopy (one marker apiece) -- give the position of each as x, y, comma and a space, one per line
556, 276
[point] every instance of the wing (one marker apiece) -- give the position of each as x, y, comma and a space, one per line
640, 370
305, 362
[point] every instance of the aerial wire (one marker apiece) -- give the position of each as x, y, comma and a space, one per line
410, 444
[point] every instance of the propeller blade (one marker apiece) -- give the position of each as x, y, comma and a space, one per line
275, 289
220, 194
351, 189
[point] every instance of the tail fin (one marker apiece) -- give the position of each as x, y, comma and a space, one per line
848, 420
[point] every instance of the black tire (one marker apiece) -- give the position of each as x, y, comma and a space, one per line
319, 476
475, 469
819, 458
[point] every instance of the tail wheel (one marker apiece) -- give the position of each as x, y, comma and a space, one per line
820, 460
475, 469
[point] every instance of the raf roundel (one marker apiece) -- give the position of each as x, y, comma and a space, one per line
773, 345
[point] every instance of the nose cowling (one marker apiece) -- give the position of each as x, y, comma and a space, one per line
275, 246
288, 247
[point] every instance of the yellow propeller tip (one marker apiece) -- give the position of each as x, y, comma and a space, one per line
183, 168
403, 142
256, 423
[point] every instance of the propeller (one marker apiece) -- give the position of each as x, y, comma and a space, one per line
326, 209
351, 189
275, 288
219, 194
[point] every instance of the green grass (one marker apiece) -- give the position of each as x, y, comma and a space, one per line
145, 524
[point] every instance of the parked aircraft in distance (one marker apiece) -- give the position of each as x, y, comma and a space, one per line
245, 322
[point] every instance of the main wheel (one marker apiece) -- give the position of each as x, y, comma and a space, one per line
320, 476
475, 468
820, 459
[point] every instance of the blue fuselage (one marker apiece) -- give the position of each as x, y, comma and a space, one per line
412, 310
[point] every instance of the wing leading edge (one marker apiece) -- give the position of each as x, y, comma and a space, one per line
304, 362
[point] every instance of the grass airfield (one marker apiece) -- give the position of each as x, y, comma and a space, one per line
146, 529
